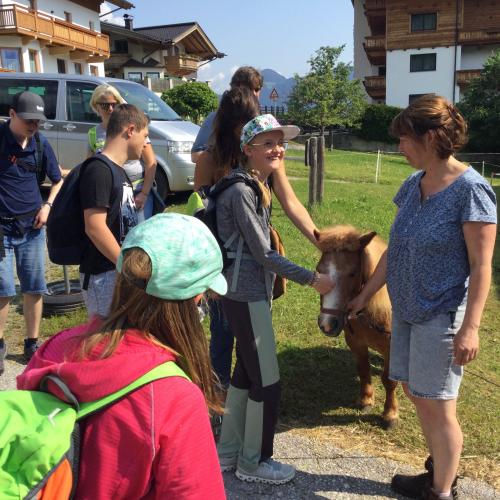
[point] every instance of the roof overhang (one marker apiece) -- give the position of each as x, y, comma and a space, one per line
121, 3
197, 41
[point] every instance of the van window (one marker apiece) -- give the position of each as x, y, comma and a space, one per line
148, 101
47, 89
78, 95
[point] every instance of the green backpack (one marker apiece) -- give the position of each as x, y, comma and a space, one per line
39, 438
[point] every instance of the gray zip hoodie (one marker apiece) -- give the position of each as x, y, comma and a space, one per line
237, 212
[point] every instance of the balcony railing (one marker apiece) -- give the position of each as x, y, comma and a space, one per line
478, 37
375, 86
181, 65
375, 49
465, 76
15, 19
374, 7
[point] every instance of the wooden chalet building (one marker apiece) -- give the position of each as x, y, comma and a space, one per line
407, 48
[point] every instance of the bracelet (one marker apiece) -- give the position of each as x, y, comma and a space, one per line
47, 203
145, 194
314, 279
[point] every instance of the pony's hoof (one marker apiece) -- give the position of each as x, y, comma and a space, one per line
390, 424
366, 409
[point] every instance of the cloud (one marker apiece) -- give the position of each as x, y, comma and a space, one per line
115, 18
204, 68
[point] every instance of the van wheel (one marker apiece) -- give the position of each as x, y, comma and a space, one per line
56, 301
162, 183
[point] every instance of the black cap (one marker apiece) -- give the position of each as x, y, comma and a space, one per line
29, 106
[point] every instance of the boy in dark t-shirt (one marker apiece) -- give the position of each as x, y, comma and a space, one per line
108, 205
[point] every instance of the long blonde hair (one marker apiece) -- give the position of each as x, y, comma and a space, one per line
171, 324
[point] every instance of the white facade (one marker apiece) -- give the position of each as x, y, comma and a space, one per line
47, 62
401, 82
362, 66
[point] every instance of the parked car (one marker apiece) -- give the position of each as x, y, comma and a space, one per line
67, 107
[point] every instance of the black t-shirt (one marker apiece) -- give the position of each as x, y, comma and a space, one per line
97, 190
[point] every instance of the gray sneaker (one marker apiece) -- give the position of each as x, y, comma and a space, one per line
3, 353
269, 471
228, 463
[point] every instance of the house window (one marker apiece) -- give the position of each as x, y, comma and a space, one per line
414, 97
121, 46
94, 70
424, 22
10, 59
78, 69
68, 17
422, 62
135, 76
154, 74
61, 66
34, 61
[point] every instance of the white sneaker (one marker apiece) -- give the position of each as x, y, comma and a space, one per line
269, 471
227, 463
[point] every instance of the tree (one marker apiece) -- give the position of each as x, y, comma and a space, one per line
481, 107
193, 100
326, 96
375, 123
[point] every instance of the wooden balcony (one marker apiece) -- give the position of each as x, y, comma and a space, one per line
60, 36
465, 76
375, 86
181, 65
478, 37
375, 49
375, 12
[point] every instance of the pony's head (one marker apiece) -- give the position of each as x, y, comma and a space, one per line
343, 259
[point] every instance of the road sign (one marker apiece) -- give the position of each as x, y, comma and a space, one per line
274, 95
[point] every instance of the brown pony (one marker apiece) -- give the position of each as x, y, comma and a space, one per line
350, 258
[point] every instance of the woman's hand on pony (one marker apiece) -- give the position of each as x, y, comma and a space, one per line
356, 305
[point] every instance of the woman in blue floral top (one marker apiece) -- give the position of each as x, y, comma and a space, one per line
438, 272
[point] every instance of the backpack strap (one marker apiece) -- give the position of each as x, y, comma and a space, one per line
168, 369
40, 171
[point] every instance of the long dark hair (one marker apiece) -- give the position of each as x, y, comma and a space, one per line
237, 107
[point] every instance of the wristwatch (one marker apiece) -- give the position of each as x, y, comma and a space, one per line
47, 203
314, 279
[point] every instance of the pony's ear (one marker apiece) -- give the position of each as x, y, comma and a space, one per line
364, 239
317, 234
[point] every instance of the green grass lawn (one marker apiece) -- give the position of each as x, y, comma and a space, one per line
319, 380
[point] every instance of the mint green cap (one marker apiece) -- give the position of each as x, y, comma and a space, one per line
185, 256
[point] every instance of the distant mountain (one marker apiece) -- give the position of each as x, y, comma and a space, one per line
274, 81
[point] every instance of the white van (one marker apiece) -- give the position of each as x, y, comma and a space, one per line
70, 116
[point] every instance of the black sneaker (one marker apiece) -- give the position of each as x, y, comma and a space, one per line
414, 486
3, 353
29, 349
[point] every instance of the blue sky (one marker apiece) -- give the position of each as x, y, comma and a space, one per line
277, 34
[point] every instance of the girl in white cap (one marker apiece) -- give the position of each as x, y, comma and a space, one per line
156, 442
251, 411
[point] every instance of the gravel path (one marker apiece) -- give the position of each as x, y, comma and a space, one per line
323, 472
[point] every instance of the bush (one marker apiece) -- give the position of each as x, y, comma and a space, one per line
193, 101
375, 123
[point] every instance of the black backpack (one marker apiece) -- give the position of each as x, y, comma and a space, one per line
208, 213
66, 238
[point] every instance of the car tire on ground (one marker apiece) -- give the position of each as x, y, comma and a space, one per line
57, 302
162, 183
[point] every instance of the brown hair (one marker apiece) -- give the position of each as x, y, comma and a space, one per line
172, 324
435, 113
248, 77
237, 107
123, 116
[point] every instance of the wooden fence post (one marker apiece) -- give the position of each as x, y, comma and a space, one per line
306, 152
313, 168
320, 169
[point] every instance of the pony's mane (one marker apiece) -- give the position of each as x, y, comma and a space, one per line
343, 238
346, 238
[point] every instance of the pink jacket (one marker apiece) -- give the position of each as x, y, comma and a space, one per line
155, 443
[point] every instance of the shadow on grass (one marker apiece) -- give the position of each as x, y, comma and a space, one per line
17, 358
320, 386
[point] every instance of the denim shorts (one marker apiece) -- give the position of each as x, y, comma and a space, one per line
99, 293
29, 253
422, 355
